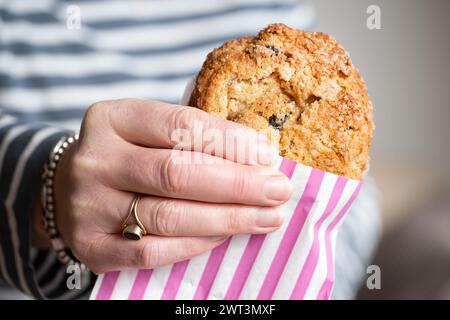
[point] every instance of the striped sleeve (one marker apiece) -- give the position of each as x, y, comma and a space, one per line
24, 149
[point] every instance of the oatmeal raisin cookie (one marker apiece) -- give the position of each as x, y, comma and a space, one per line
300, 88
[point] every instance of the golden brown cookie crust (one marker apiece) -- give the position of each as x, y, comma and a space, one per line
299, 87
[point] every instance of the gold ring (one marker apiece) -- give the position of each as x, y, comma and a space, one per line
133, 231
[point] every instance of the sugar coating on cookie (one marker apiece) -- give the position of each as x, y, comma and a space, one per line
298, 87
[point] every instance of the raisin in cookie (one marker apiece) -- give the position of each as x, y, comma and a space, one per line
300, 88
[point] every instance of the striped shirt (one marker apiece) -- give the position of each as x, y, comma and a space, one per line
58, 57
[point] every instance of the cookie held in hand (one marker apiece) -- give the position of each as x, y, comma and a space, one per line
298, 87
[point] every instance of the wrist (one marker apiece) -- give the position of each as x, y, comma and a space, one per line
49, 200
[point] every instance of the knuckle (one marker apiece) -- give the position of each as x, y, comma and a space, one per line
173, 179
234, 221
96, 109
241, 184
95, 127
83, 161
164, 218
182, 118
127, 101
148, 256
103, 113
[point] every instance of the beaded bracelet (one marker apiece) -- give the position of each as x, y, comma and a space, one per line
63, 253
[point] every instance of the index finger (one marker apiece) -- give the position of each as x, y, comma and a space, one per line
161, 125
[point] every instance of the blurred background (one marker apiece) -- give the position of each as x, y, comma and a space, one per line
406, 65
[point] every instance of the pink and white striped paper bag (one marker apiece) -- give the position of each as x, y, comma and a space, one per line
294, 262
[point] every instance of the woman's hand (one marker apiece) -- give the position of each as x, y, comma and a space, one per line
126, 147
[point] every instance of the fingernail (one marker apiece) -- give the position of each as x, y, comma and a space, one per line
277, 188
268, 217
